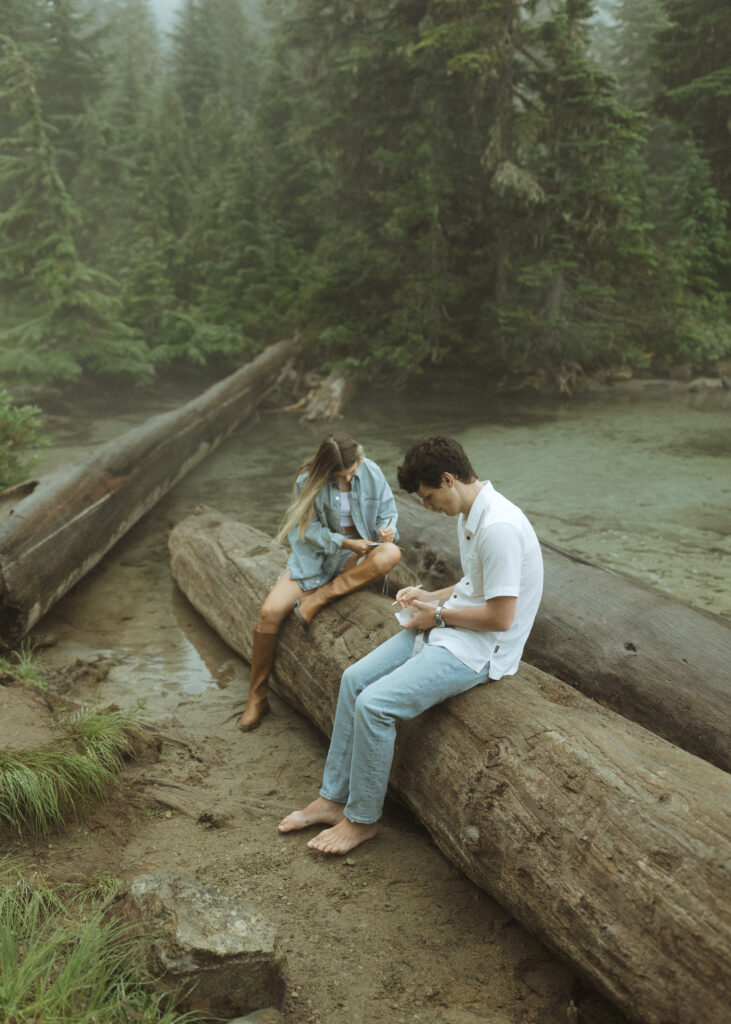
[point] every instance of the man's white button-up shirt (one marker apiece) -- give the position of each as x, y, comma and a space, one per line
501, 557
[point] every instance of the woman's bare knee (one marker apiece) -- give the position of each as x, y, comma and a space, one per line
271, 617
388, 555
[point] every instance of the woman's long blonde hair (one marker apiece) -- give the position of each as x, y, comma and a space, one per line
336, 452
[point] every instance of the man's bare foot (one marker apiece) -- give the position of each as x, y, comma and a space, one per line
319, 812
343, 837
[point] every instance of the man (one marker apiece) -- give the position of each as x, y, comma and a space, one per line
456, 638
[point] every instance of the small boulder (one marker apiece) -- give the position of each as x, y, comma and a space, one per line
221, 954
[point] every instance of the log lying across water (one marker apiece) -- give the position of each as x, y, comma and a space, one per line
653, 658
606, 841
58, 528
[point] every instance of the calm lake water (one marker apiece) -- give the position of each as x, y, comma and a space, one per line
641, 484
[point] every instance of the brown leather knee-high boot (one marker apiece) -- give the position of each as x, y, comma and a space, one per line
352, 579
262, 658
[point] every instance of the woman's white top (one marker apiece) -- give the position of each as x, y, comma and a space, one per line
346, 516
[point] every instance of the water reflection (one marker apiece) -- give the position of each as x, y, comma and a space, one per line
640, 486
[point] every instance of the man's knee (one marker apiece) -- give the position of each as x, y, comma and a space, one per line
350, 680
370, 706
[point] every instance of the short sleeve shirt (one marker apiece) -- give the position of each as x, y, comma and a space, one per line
501, 557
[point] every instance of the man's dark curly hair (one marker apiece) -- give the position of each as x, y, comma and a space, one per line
426, 461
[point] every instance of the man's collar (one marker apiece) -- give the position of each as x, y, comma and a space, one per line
478, 507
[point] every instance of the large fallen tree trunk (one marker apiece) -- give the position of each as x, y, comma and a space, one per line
606, 841
654, 659
58, 528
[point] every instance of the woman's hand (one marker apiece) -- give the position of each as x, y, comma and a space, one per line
357, 544
387, 534
408, 595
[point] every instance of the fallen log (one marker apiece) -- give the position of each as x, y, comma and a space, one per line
606, 841
61, 526
652, 658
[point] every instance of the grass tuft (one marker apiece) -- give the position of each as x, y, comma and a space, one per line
22, 665
60, 962
40, 788
100, 889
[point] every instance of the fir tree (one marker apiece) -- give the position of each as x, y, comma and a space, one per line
638, 24
64, 312
594, 249
694, 66
213, 57
68, 76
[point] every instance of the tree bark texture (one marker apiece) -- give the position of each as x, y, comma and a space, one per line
606, 841
654, 659
55, 534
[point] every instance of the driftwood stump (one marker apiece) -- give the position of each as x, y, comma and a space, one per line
324, 399
653, 658
55, 530
606, 841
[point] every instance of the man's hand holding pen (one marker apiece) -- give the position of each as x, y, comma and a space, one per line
420, 603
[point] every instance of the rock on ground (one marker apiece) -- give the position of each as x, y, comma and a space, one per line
223, 953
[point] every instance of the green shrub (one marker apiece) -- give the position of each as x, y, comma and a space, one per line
20, 439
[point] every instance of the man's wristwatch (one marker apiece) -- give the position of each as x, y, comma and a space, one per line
438, 620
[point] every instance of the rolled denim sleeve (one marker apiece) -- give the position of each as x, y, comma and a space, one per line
373, 502
387, 511
318, 535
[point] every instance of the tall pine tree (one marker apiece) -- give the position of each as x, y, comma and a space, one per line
63, 314
694, 66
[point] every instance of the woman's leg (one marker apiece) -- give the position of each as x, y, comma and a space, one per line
277, 605
356, 574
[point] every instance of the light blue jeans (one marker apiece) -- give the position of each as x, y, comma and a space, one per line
389, 684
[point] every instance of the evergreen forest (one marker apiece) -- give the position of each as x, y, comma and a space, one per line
494, 185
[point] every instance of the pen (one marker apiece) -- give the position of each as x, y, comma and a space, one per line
382, 529
412, 587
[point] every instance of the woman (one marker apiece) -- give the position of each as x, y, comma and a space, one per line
341, 527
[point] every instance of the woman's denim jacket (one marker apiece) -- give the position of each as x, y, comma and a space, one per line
317, 556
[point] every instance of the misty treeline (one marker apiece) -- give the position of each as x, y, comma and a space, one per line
493, 185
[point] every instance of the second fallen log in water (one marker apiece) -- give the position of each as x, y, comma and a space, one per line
606, 841
645, 654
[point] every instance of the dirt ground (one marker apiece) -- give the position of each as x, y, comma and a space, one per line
391, 933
